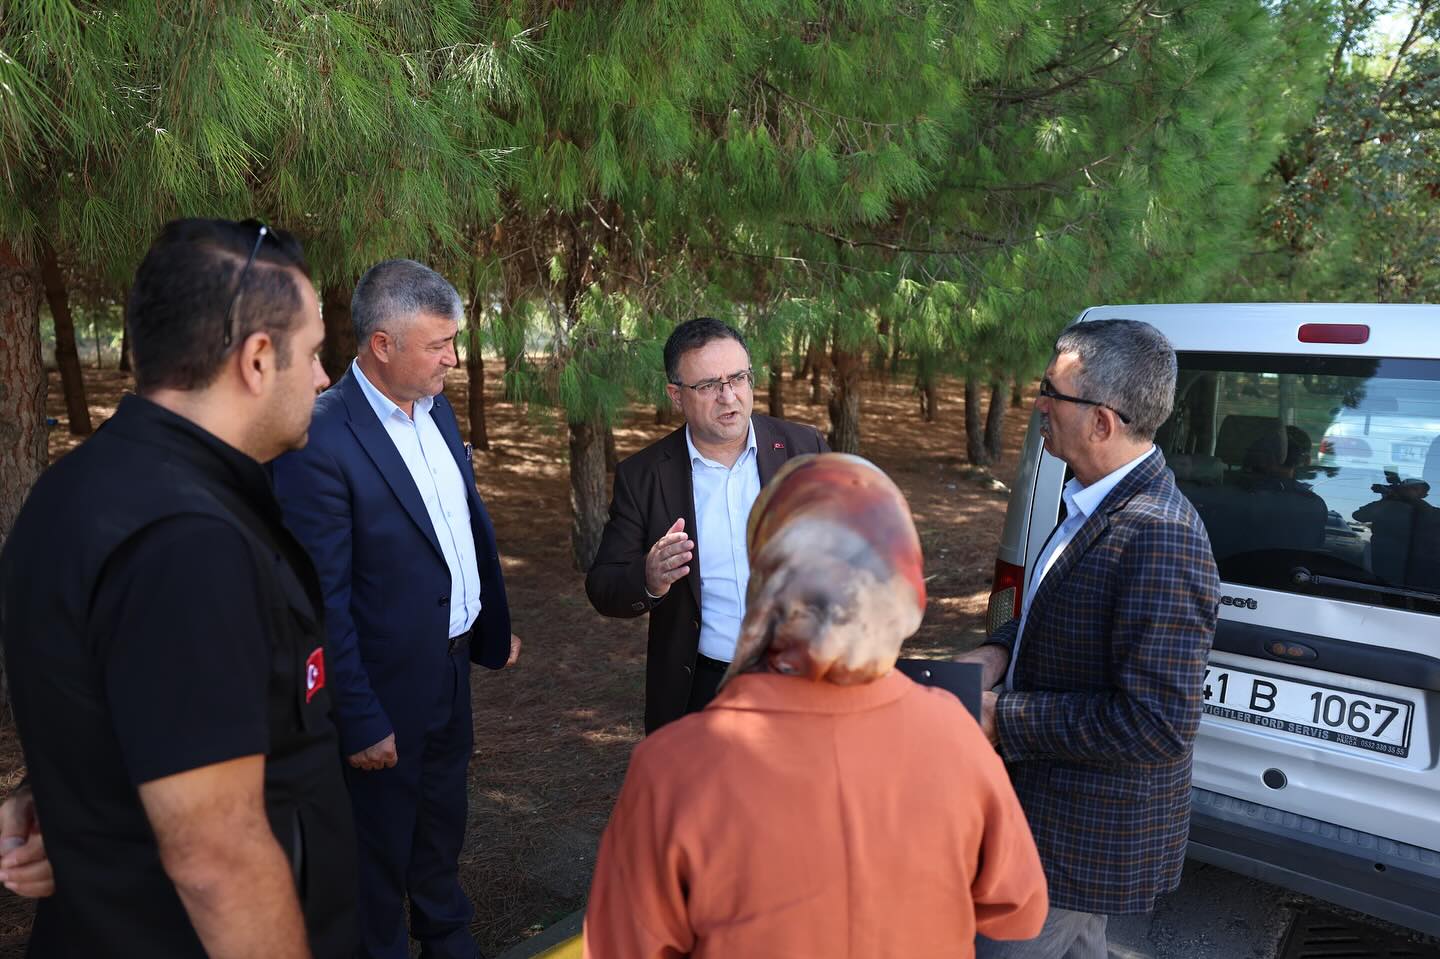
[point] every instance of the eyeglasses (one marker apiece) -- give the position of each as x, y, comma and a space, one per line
712, 388
1048, 391
230, 313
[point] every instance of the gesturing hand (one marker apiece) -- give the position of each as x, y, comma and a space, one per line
382, 755
668, 560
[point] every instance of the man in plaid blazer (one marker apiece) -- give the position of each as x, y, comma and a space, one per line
1103, 671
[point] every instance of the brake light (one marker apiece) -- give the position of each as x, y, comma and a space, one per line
1345, 446
1004, 595
1347, 333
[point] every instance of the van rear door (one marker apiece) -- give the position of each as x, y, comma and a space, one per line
1318, 479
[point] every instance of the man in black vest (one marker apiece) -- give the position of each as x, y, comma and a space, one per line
163, 633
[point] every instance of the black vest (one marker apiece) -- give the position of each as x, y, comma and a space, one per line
146, 465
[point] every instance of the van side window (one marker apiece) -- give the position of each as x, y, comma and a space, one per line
1314, 474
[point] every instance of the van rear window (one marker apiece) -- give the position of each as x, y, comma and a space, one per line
1314, 475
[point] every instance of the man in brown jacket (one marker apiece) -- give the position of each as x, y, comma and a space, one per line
678, 514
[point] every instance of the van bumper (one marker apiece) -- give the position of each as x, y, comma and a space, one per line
1390, 880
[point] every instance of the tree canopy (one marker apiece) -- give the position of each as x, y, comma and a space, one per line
862, 185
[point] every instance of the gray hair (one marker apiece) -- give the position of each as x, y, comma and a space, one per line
1127, 365
393, 292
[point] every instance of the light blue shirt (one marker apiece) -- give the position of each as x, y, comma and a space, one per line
723, 497
442, 488
1080, 502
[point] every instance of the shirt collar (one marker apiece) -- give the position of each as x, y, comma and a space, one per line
696, 455
383, 406
772, 692
1083, 500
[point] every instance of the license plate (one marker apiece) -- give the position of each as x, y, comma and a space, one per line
1309, 710
1408, 452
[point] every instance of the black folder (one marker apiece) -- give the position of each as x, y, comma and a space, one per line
962, 679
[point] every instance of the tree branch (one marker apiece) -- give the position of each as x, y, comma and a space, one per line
1410, 39
982, 243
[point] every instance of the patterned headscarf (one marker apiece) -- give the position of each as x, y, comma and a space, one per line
836, 577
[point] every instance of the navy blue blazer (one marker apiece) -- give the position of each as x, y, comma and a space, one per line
349, 498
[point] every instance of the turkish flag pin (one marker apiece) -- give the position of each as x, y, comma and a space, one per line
314, 673
779, 446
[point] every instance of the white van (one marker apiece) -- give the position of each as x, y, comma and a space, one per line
1308, 438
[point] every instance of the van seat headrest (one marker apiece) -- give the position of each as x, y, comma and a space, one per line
1241, 435
1197, 469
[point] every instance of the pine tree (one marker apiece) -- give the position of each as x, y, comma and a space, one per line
675, 130
1116, 157
364, 129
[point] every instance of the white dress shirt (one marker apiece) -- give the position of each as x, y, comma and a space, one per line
442, 488
723, 497
1080, 502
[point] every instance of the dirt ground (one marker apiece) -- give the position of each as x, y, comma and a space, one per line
553, 735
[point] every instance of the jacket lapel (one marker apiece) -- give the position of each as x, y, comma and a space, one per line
1085, 537
677, 495
770, 451
444, 416
376, 443
1095, 525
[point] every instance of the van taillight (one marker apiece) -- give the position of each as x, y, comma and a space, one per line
1004, 595
1345, 446
1348, 333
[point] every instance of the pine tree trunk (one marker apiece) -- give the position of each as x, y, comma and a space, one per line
975, 450
1017, 395
475, 372
587, 491
929, 397
777, 386
817, 375
23, 443
995, 420
67, 357
124, 344
95, 335
339, 347
512, 348
662, 414
611, 460
877, 362
849, 369
1286, 389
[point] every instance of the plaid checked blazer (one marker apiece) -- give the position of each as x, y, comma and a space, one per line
1099, 730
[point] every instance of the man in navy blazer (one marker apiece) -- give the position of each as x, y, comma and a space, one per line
384, 498
1104, 670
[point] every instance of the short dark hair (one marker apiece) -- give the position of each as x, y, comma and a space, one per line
393, 291
693, 334
176, 309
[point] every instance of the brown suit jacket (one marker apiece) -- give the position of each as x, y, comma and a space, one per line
652, 490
